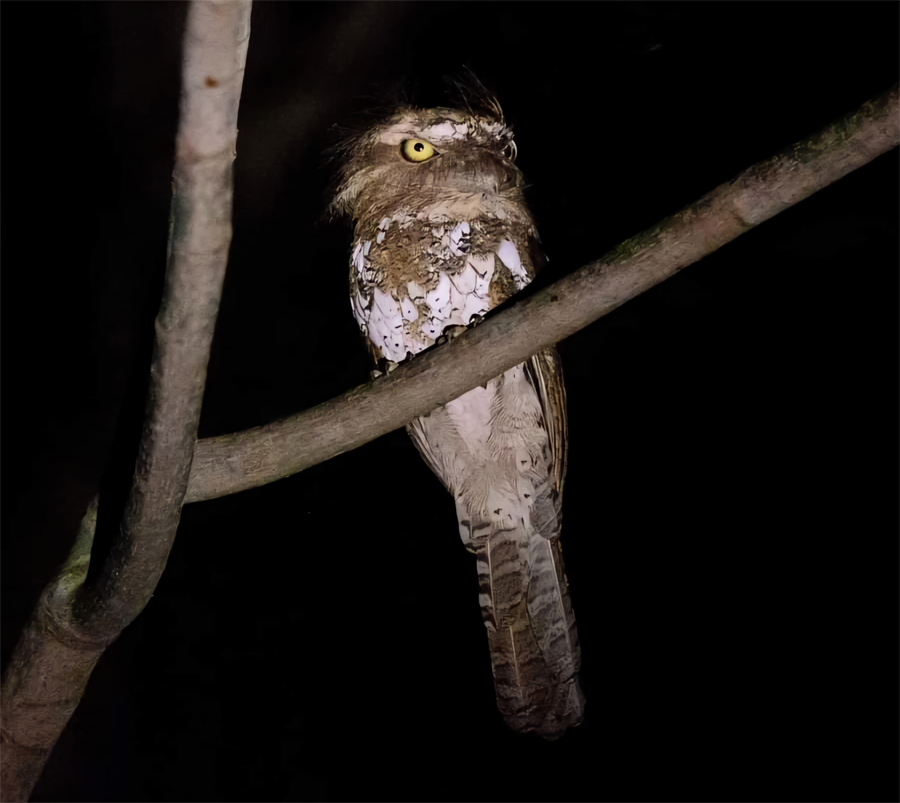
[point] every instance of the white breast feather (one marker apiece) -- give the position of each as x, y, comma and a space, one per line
398, 322
510, 257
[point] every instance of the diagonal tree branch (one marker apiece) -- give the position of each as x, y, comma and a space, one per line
72, 625
236, 462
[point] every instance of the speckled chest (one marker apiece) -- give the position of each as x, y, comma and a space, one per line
412, 276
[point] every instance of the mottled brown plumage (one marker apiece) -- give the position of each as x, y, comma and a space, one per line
442, 234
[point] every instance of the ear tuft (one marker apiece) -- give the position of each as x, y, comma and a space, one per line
471, 93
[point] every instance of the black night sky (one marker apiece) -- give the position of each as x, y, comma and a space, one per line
730, 527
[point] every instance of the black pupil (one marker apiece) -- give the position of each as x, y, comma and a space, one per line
419, 147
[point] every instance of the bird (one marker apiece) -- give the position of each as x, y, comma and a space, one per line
441, 236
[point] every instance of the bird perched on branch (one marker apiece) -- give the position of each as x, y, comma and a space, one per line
441, 236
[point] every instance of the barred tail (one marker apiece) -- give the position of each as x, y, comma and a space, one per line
525, 602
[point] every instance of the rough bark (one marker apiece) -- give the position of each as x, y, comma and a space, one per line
236, 462
72, 624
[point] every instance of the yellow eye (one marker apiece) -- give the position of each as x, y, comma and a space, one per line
417, 150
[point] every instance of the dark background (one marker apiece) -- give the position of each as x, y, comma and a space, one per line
729, 545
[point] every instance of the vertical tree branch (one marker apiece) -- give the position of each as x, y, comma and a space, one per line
73, 625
